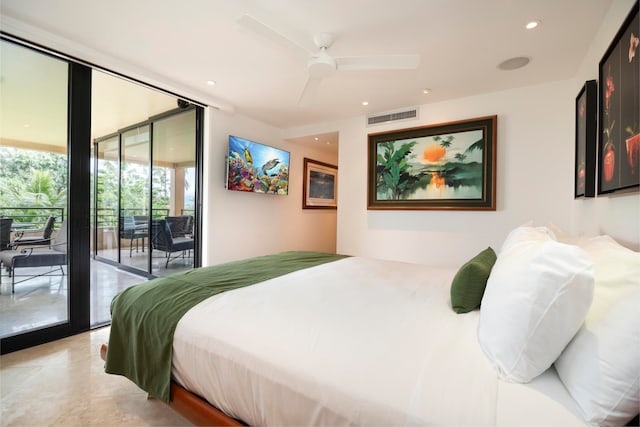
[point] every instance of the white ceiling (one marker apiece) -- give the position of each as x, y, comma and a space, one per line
186, 43
33, 107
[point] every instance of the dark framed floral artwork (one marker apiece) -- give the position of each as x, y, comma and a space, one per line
586, 136
320, 185
444, 166
619, 110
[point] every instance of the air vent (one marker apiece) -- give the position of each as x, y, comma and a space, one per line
392, 116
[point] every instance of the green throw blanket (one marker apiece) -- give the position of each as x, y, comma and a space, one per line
145, 316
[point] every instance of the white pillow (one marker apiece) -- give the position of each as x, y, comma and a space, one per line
601, 366
536, 299
526, 233
564, 237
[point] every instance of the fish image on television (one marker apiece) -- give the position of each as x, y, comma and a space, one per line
270, 177
269, 165
247, 156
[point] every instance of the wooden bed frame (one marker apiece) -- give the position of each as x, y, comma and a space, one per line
202, 413
191, 406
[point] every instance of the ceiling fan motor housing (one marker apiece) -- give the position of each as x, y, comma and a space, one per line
321, 65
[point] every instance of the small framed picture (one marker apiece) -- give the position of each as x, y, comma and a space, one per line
586, 132
320, 185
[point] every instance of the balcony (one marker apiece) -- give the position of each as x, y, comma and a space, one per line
41, 293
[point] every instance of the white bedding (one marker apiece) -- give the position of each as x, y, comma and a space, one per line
357, 341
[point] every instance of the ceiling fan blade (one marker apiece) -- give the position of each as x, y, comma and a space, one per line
387, 62
309, 91
281, 37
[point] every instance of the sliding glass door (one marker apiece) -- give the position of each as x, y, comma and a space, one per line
33, 153
77, 145
43, 124
173, 190
144, 163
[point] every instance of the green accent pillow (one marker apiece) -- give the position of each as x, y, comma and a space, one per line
470, 281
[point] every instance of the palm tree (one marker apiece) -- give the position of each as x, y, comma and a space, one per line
38, 192
460, 157
478, 145
445, 142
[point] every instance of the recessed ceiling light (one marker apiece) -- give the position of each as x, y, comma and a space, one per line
365, 103
316, 138
514, 63
211, 82
426, 91
531, 25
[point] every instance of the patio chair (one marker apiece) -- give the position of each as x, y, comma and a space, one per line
39, 240
140, 220
130, 229
162, 239
5, 233
48, 255
180, 226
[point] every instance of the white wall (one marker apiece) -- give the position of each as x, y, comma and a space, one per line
615, 215
535, 163
239, 225
534, 180
534, 176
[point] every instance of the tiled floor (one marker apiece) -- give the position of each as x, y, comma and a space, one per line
63, 384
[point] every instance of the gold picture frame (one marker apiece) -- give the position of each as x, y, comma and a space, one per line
320, 185
447, 166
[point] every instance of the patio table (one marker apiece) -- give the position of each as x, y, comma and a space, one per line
21, 226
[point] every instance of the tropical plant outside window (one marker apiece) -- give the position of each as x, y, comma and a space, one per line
189, 191
32, 179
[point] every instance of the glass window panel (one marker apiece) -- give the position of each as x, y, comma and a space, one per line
174, 149
106, 195
134, 197
33, 173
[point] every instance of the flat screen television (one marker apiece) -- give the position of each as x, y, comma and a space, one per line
256, 167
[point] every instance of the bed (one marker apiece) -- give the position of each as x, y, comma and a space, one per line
325, 339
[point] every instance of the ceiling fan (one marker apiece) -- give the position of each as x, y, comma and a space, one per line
320, 63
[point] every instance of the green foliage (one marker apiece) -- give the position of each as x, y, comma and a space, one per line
459, 174
393, 175
397, 177
107, 184
478, 145
161, 188
444, 142
32, 178
134, 191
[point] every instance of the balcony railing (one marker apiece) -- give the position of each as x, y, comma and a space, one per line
109, 217
35, 217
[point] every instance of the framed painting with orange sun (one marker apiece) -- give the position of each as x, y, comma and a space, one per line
444, 166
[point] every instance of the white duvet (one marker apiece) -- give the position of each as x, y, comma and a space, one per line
354, 342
